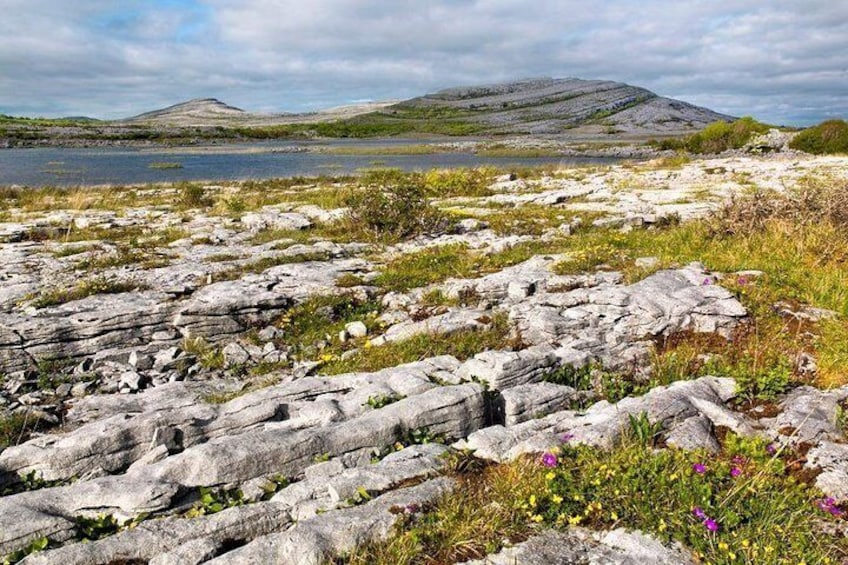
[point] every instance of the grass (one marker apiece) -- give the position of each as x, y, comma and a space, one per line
762, 511
83, 289
265, 263
462, 345
827, 137
717, 137
165, 165
313, 327
16, 428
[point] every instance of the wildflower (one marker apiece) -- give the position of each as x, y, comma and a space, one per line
771, 449
707, 281
663, 526
556, 499
532, 500
566, 437
711, 525
699, 513
367, 344
741, 281
550, 476
735, 472
723, 546
830, 506
549, 460
613, 516
738, 460
537, 518
699, 468
574, 520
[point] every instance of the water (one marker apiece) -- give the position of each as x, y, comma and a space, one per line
76, 167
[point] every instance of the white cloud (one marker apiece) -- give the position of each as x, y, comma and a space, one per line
781, 61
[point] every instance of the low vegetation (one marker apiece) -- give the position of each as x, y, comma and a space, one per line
717, 137
745, 505
826, 138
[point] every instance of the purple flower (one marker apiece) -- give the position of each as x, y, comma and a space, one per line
735, 472
771, 449
549, 460
707, 281
738, 460
699, 513
742, 281
699, 468
829, 505
566, 437
711, 525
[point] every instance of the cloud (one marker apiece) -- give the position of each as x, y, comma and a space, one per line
782, 61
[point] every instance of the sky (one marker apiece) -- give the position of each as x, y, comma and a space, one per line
781, 61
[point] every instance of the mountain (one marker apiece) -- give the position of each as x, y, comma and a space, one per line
547, 106
532, 106
200, 111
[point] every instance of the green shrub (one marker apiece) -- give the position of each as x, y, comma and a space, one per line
393, 206
192, 195
827, 137
722, 136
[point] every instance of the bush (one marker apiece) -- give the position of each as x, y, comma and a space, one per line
811, 202
827, 137
393, 206
722, 136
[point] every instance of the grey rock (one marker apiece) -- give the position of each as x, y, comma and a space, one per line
529, 401
356, 329
333, 533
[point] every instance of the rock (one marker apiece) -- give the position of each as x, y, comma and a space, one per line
356, 329
579, 545
646, 262
530, 401
235, 355
130, 381
338, 532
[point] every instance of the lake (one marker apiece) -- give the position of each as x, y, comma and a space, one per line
75, 166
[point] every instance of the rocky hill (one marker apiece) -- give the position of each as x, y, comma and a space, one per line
549, 105
535, 106
199, 111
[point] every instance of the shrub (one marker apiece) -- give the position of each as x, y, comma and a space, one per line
393, 206
192, 195
827, 137
722, 136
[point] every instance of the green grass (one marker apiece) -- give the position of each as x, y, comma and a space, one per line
717, 137
462, 345
764, 514
320, 319
826, 138
83, 289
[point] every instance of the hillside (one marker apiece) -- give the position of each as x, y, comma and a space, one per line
547, 106
200, 111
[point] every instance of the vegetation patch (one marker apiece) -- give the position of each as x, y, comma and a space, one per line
462, 345
743, 506
83, 289
826, 138
717, 137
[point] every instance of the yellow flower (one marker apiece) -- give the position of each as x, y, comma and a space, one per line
723, 546
663, 526
532, 500
574, 520
557, 499
550, 476
672, 477
367, 344
614, 517
537, 518
745, 543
